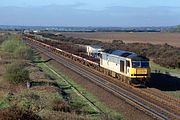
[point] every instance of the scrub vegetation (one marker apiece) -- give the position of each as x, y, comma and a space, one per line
16, 71
46, 97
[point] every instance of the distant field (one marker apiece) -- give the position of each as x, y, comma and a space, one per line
154, 38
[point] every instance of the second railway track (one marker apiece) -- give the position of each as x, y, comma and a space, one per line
166, 97
150, 108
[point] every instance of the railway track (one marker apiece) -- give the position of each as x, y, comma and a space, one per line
158, 98
164, 96
160, 101
150, 108
153, 95
173, 102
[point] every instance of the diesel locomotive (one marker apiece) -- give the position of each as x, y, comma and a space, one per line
125, 65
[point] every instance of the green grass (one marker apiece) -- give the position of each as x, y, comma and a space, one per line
155, 66
76, 100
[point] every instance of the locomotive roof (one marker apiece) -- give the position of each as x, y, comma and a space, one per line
127, 54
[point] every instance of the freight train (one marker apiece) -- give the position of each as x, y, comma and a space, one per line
126, 66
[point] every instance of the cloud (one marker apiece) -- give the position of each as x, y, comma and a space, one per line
71, 15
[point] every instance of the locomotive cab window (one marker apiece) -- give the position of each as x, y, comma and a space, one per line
121, 66
140, 64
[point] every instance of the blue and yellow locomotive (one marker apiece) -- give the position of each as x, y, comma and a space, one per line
125, 65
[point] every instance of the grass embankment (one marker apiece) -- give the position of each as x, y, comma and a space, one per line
16, 100
43, 99
77, 100
13, 77
49, 96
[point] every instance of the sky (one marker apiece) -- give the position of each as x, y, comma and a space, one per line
99, 13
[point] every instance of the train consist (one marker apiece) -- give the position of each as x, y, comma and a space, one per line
123, 65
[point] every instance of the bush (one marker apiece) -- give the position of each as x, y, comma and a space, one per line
59, 105
23, 52
16, 73
17, 114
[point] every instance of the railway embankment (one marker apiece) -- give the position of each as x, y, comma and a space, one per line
31, 90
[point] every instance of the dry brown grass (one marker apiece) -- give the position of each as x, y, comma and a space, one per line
142, 37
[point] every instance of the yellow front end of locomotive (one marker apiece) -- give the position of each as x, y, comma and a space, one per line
140, 72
